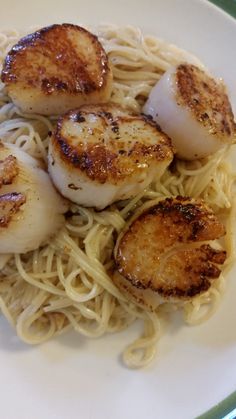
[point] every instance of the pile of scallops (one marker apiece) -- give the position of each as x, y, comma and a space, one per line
100, 153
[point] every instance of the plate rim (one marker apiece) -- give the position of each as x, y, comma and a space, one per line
222, 410
225, 407
228, 6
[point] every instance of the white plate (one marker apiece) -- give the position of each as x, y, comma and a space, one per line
73, 377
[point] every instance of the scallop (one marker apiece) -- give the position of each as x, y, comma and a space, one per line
194, 110
99, 154
168, 252
56, 69
31, 210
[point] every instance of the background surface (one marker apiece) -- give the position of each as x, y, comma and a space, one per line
228, 5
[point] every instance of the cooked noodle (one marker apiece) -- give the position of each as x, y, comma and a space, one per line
67, 283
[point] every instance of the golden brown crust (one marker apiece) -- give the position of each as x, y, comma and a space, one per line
9, 205
113, 156
8, 170
161, 250
206, 99
50, 60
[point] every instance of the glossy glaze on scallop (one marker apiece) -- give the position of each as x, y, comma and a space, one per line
100, 154
166, 252
194, 110
57, 68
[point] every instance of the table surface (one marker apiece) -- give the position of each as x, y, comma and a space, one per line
228, 5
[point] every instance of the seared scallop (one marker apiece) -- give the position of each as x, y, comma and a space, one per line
31, 211
194, 110
102, 154
164, 254
56, 69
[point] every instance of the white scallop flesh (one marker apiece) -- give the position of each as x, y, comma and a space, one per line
40, 214
100, 154
194, 111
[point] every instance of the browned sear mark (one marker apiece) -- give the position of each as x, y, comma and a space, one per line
8, 170
9, 205
49, 59
116, 158
74, 187
206, 99
163, 249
